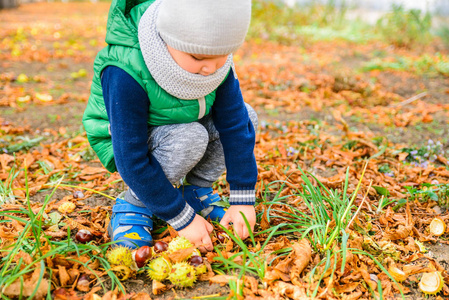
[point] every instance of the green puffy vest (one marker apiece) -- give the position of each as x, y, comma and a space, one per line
123, 51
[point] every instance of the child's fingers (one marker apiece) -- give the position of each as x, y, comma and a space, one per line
225, 221
209, 227
245, 232
207, 243
238, 230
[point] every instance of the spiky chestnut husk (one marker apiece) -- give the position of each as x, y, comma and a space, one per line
431, 283
182, 275
159, 268
120, 256
201, 269
179, 243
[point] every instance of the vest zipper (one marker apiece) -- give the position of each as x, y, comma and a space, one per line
202, 107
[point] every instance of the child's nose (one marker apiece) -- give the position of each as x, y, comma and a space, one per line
210, 67
207, 70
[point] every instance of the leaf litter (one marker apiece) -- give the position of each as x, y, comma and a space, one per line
404, 191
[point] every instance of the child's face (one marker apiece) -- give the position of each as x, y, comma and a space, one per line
198, 63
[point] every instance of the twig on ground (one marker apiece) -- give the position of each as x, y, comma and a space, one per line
410, 100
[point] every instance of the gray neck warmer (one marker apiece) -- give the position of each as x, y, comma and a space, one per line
166, 72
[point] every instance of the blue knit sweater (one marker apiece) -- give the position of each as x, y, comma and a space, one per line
127, 106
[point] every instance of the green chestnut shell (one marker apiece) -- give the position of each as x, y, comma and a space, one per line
182, 275
159, 268
120, 256
179, 243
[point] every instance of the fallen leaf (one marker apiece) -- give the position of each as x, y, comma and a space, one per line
28, 286
158, 287
222, 279
181, 254
64, 277
141, 296
303, 253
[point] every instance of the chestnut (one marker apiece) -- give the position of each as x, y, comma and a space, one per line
160, 246
83, 283
143, 254
222, 237
83, 236
195, 260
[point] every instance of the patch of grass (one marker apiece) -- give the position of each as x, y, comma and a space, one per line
329, 213
6, 190
355, 31
430, 192
11, 144
325, 207
276, 21
429, 65
443, 33
253, 262
405, 28
33, 242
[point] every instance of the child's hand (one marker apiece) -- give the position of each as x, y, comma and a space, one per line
233, 215
198, 232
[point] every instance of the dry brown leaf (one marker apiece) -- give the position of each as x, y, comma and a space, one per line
141, 296
64, 294
273, 274
5, 159
252, 283
28, 286
289, 290
27, 260
303, 253
181, 254
87, 170
346, 288
416, 269
158, 287
210, 273
264, 224
64, 277
115, 295
222, 279
74, 274
285, 265
399, 234
92, 296
229, 245
354, 296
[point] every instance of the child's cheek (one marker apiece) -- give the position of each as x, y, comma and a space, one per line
191, 67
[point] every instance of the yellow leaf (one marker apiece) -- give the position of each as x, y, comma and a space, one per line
43, 97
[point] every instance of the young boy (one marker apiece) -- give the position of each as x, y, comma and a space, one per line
166, 108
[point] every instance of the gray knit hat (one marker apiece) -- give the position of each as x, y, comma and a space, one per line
209, 27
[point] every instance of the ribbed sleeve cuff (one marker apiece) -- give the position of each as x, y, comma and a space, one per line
184, 218
242, 197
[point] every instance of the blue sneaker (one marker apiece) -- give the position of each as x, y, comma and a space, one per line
202, 200
130, 225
